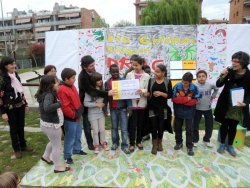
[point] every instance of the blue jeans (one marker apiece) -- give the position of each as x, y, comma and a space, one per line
87, 129
119, 116
72, 138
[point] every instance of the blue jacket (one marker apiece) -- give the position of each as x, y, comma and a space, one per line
184, 108
124, 103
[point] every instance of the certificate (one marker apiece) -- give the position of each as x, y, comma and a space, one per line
126, 89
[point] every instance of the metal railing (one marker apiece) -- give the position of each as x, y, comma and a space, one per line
24, 26
70, 10
61, 22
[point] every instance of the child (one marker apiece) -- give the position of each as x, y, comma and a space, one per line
51, 120
118, 112
72, 110
159, 90
9, 180
95, 113
203, 107
185, 96
139, 105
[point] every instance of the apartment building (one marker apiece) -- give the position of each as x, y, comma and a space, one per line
239, 12
140, 4
37, 23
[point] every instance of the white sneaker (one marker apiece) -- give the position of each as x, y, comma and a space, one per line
248, 133
208, 144
195, 144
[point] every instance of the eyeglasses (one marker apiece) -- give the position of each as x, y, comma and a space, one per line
235, 61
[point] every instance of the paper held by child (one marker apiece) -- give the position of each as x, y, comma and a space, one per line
237, 95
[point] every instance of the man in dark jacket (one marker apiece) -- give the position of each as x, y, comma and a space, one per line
84, 84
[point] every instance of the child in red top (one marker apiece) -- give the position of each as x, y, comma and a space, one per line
72, 110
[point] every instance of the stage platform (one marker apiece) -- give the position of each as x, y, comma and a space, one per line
169, 168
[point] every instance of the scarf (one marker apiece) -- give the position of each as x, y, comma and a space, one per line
18, 88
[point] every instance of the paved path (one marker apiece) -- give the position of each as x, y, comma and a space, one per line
27, 76
28, 129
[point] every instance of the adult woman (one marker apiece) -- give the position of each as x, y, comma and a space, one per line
230, 116
9, 180
13, 104
50, 70
159, 90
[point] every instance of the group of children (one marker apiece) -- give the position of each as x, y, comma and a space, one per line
154, 92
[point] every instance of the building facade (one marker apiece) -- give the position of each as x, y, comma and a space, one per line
37, 23
239, 12
140, 4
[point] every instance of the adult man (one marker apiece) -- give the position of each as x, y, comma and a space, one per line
88, 67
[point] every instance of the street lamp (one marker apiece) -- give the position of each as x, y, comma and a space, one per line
4, 34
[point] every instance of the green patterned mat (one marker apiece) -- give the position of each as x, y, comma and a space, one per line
169, 168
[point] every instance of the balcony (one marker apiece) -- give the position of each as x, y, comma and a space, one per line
62, 22
70, 10
247, 2
246, 15
24, 26
40, 35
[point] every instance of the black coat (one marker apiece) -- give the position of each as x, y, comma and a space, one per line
222, 103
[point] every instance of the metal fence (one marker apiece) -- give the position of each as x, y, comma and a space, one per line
24, 63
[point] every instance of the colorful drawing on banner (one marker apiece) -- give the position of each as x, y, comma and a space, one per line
91, 42
158, 44
126, 89
211, 49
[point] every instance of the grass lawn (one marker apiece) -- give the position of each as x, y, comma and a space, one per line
38, 141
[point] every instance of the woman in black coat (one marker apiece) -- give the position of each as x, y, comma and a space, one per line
13, 104
230, 116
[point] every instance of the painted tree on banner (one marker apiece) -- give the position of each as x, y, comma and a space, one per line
176, 12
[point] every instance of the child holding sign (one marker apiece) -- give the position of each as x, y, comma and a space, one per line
139, 105
118, 112
95, 113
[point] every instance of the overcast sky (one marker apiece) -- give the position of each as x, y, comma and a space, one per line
111, 10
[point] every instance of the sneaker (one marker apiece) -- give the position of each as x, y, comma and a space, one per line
221, 149
91, 146
208, 144
195, 144
145, 138
18, 154
27, 149
231, 151
190, 151
114, 147
69, 161
97, 149
80, 153
105, 146
126, 150
178, 146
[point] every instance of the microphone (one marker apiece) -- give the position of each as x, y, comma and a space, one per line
228, 68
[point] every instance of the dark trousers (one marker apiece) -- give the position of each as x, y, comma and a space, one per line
178, 122
136, 121
87, 129
208, 125
156, 127
16, 122
228, 127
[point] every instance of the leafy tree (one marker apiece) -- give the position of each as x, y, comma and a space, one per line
78, 27
176, 12
37, 52
204, 20
100, 22
123, 23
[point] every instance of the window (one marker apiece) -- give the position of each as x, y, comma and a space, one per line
235, 2
234, 15
237, 13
